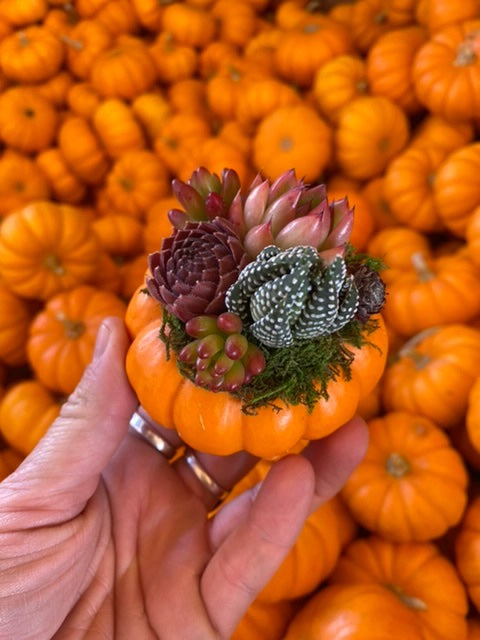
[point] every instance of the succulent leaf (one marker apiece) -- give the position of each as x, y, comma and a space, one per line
292, 295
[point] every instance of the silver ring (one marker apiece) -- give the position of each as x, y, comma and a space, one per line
205, 478
145, 429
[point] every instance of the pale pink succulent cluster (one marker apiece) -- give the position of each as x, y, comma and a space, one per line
286, 212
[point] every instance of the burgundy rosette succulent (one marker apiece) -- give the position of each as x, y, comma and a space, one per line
196, 265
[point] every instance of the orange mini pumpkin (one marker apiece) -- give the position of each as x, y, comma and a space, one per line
27, 410
370, 132
46, 248
293, 136
422, 578
446, 71
356, 610
33, 54
124, 70
412, 484
433, 372
62, 335
467, 557
433, 291
14, 327
28, 121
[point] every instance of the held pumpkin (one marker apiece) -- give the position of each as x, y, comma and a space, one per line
218, 424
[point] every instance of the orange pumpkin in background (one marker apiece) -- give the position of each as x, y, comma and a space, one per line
62, 335
467, 544
446, 71
421, 577
433, 372
10, 459
356, 610
14, 327
412, 484
27, 410
46, 248
433, 291
293, 136
370, 132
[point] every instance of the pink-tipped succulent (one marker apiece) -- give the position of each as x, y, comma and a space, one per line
220, 355
285, 213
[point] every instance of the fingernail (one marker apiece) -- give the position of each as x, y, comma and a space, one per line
103, 336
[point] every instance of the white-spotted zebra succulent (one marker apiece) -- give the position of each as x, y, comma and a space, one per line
292, 295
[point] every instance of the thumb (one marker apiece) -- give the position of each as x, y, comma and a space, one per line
65, 466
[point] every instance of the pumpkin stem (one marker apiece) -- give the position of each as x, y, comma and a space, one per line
311, 27
397, 465
24, 41
466, 54
362, 86
381, 17
76, 45
52, 262
410, 601
421, 267
286, 144
408, 350
73, 328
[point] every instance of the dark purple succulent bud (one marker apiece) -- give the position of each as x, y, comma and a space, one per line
194, 268
371, 290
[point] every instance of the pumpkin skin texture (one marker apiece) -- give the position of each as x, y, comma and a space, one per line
33, 54
292, 136
62, 335
412, 484
414, 206
456, 190
28, 121
337, 82
370, 132
446, 72
388, 66
395, 247
46, 248
434, 291
436, 131
354, 612
303, 48
27, 410
467, 556
432, 374
265, 621
21, 182
65, 186
218, 425
472, 418
10, 459
125, 70
418, 574
14, 327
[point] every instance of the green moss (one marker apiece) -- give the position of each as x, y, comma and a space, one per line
295, 375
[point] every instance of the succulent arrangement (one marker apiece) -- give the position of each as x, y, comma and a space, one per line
262, 292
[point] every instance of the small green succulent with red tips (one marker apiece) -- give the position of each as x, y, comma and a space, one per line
249, 281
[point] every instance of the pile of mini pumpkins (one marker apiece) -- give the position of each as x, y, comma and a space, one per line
104, 102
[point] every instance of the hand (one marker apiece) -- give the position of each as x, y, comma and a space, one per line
102, 537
